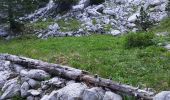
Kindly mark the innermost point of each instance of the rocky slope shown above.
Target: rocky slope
(111, 17)
(36, 80)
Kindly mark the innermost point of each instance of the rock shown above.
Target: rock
(115, 32)
(111, 96)
(75, 91)
(70, 82)
(54, 27)
(10, 89)
(45, 97)
(164, 95)
(78, 7)
(5, 65)
(56, 81)
(24, 89)
(38, 74)
(84, 2)
(3, 32)
(167, 46)
(4, 77)
(93, 12)
(109, 12)
(93, 94)
(33, 83)
(24, 73)
(30, 98)
(33, 98)
(133, 18)
(17, 68)
(34, 92)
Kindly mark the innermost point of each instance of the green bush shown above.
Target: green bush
(93, 2)
(139, 40)
(168, 8)
(64, 5)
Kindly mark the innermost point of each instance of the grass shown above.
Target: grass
(100, 54)
(69, 25)
(164, 26)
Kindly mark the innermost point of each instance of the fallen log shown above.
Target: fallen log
(78, 75)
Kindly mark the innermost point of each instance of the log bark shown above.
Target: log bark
(78, 75)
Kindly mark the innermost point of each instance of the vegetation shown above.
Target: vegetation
(168, 8)
(13, 9)
(64, 5)
(100, 54)
(143, 22)
(65, 26)
(93, 2)
(139, 39)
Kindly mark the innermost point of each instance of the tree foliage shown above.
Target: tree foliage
(13, 9)
(143, 21)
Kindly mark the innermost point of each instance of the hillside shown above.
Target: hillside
(105, 43)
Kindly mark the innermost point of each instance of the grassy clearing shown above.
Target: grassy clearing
(100, 54)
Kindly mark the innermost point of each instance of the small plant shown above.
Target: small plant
(139, 40)
(168, 8)
(143, 21)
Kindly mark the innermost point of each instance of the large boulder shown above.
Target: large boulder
(111, 96)
(133, 17)
(69, 92)
(24, 89)
(10, 89)
(4, 77)
(95, 93)
(165, 95)
(38, 74)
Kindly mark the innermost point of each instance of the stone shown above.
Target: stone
(93, 12)
(10, 89)
(4, 77)
(167, 46)
(115, 32)
(133, 18)
(78, 7)
(109, 12)
(30, 98)
(3, 32)
(75, 91)
(24, 73)
(33, 83)
(84, 2)
(54, 27)
(111, 96)
(164, 95)
(38, 74)
(34, 92)
(5, 65)
(24, 89)
(17, 68)
(56, 81)
(93, 94)
(45, 97)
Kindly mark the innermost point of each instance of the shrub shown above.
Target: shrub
(139, 40)
(168, 8)
(143, 21)
(95, 2)
(64, 5)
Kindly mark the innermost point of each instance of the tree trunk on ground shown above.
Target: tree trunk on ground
(78, 75)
